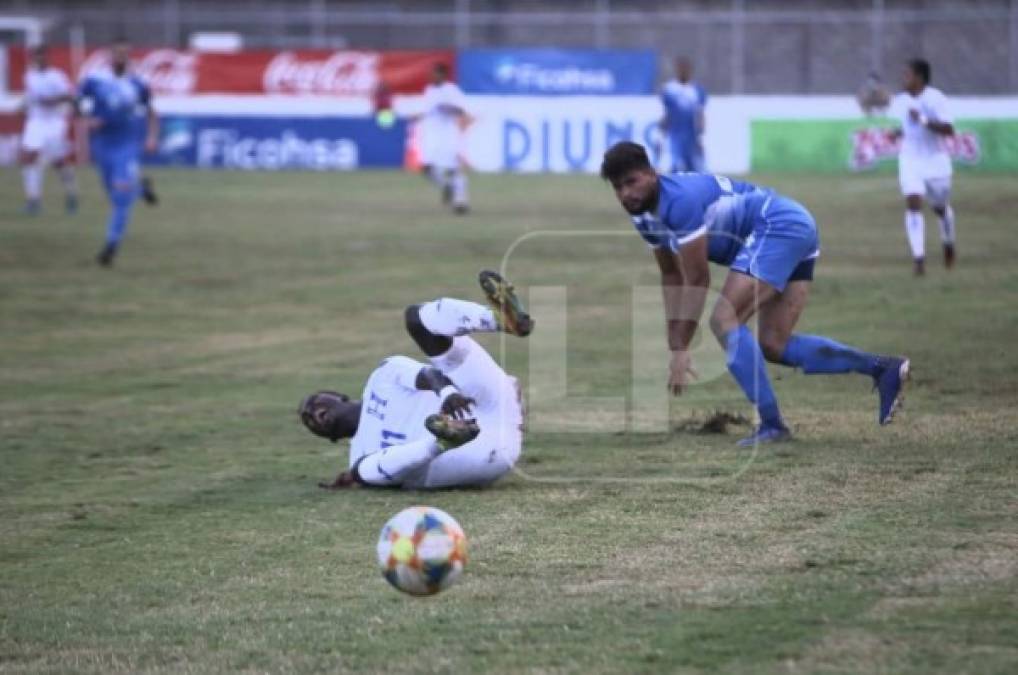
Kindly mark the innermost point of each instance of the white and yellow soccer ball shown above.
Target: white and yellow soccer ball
(422, 550)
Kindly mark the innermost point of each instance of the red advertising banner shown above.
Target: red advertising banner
(298, 72)
(10, 138)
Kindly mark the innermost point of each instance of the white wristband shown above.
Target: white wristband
(447, 391)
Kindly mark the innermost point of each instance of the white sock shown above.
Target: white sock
(67, 177)
(451, 317)
(391, 465)
(32, 175)
(947, 225)
(915, 228)
(459, 188)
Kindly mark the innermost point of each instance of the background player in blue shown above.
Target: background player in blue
(770, 244)
(113, 101)
(683, 122)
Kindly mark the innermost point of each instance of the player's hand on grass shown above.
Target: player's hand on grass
(680, 372)
(343, 480)
(457, 406)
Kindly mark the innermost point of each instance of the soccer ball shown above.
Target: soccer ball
(422, 550)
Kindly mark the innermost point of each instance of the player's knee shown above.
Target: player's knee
(430, 344)
(772, 345)
(412, 318)
(722, 321)
(122, 195)
(495, 468)
(914, 202)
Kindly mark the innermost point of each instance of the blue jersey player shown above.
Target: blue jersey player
(683, 122)
(770, 245)
(114, 101)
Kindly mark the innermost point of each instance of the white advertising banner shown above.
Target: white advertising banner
(570, 134)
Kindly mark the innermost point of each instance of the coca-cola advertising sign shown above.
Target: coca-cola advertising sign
(873, 145)
(166, 71)
(298, 72)
(337, 74)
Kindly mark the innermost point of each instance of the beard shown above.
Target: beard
(639, 207)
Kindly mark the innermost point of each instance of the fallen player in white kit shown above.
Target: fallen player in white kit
(455, 423)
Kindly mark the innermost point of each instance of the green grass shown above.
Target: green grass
(158, 508)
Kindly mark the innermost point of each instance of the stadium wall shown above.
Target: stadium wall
(549, 134)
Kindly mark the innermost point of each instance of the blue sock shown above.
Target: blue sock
(746, 364)
(119, 217)
(817, 354)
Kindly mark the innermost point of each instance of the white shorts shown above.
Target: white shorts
(499, 412)
(440, 148)
(931, 182)
(47, 137)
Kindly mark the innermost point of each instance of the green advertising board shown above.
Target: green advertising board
(864, 145)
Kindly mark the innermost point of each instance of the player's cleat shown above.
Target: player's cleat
(71, 204)
(948, 256)
(148, 191)
(106, 255)
(505, 304)
(451, 432)
(32, 207)
(766, 433)
(919, 267)
(890, 383)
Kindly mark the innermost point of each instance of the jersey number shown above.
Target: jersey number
(386, 435)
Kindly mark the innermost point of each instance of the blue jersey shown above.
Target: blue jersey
(119, 103)
(693, 204)
(683, 104)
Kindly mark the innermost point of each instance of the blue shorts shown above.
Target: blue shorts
(118, 168)
(783, 245)
(687, 153)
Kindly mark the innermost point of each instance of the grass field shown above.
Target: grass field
(158, 508)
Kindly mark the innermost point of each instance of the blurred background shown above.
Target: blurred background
(740, 46)
(811, 59)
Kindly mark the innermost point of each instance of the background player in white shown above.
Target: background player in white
(442, 124)
(457, 422)
(924, 166)
(48, 93)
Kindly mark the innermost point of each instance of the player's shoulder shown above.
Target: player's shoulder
(934, 94)
(392, 366)
(96, 78)
(451, 89)
(679, 197)
(139, 83)
(88, 82)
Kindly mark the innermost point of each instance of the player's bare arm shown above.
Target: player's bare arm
(685, 278)
(942, 128)
(454, 403)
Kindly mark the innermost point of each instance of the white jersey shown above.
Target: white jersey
(393, 410)
(440, 126)
(45, 84)
(922, 150)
